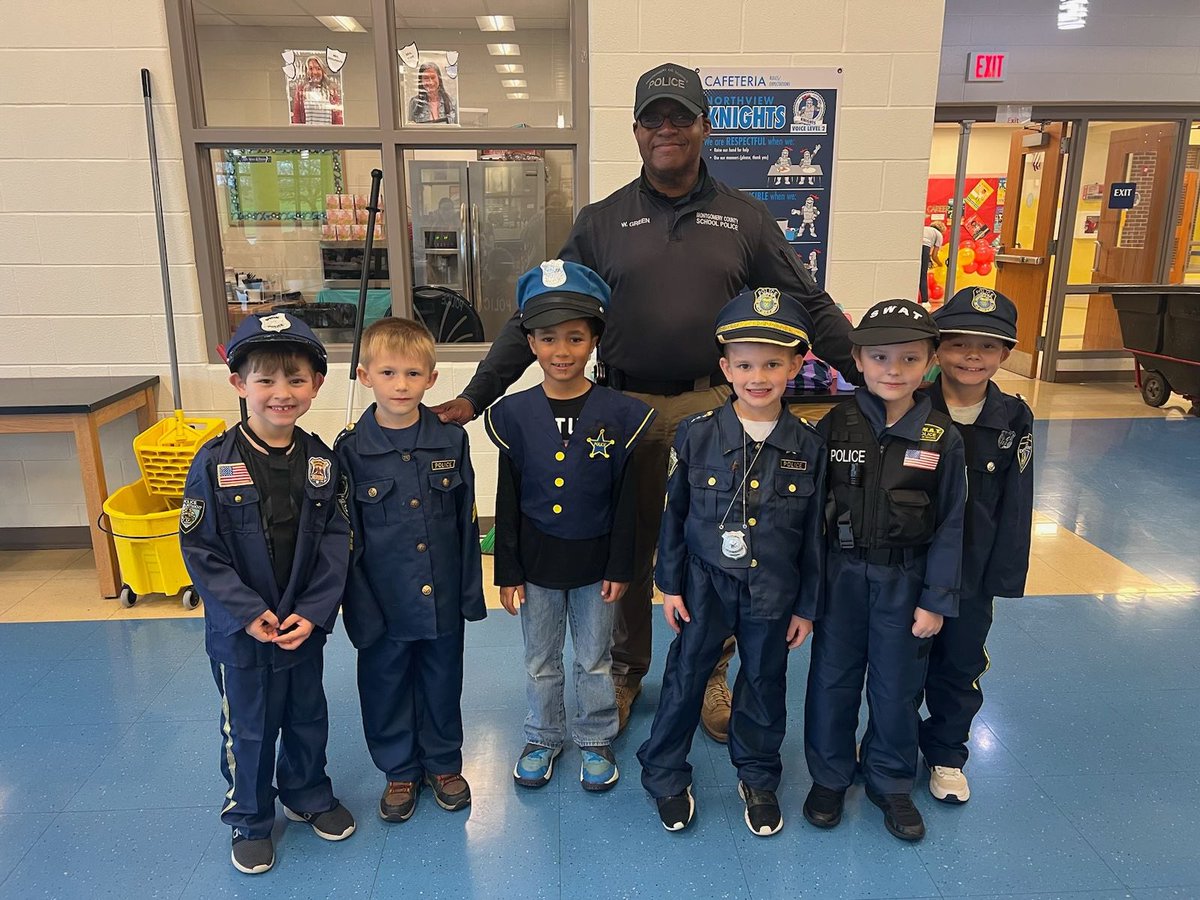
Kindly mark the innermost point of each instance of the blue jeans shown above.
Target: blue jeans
(543, 626)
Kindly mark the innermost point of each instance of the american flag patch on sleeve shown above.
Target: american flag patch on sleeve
(921, 459)
(236, 475)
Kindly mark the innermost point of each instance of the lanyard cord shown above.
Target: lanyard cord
(745, 477)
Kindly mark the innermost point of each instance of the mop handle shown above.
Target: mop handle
(162, 239)
(361, 312)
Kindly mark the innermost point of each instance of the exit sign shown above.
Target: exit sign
(986, 66)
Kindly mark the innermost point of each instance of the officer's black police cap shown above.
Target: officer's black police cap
(894, 322)
(558, 291)
(670, 81)
(765, 315)
(981, 311)
(273, 329)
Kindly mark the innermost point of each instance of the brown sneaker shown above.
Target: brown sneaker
(625, 697)
(399, 801)
(718, 703)
(450, 791)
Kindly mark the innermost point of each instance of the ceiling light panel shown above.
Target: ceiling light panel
(504, 49)
(514, 82)
(510, 69)
(495, 23)
(342, 24)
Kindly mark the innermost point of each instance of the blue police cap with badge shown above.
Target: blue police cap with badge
(981, 311)
(765, 315)
(275, 328)
(558, 291)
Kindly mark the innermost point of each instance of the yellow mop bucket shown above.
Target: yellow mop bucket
(145, 530)
(164, 451)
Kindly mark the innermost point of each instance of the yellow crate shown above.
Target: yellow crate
(145, 530)
(164, 451)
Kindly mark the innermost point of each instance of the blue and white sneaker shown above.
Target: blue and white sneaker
(598, 772)
(535, 766)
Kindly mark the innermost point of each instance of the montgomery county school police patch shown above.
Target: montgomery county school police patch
(190, 514)
(554, 274)
(600, 445)
(932, 433)
(318, 471)
(277, 322)
(766, 301)
(1006, 439)
(442, 465)
(1025, 451)
(798, 465)
(983, 300)
(672, 463)
(343, 496)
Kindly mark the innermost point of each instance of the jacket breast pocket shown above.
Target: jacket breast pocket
(444, 491)
(909, 518)
(238, 511)
(986, 478)
(377, 501)
(792, 493)
(318, 501)
(709, 487)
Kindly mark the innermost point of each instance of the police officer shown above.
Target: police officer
(894, 521)
(674, 245)
(266, 542)
(979, 328)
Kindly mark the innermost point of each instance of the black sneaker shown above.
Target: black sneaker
(823, 806)
(399, 801)
(450, 791)
(335, 825)
(900, 816)
(763, 817)
(676, 811)
(253, 856)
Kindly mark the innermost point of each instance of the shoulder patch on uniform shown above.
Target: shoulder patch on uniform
(1025, 451)
(798, 465)
(318, 471)
(672, 463)
(190, 514)
(442, 465)
(932, 432)
(1005, 440)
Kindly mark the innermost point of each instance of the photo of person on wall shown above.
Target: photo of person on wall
(315, 93)
(432, 94)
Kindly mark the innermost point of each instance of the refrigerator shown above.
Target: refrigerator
(477, 226)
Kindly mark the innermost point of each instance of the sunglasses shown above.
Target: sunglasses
(653, 120)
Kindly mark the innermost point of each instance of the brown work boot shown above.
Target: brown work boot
(626, 694)
(450, 791)
(399, 801)
(718, 703)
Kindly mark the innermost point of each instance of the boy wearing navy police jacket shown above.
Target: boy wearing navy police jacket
(740, 553)
(266, 542)
(565, 518)
(979, 330)
(415, 576)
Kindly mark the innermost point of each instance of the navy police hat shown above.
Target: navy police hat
(670, 81)
(979, 310)
(765, 315)
(558, 291)
(275, 328)
(894, 322)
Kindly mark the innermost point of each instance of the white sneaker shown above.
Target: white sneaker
(949, 785)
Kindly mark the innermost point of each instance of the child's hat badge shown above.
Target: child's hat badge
(984, 300)
(554, 273)
(766, 301)
(276, 322)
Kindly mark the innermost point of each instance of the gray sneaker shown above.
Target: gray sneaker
(335, 825)
(253, 856)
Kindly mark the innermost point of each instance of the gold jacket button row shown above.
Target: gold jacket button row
(406, 456)
(712, 480)
(421, 548)
(754, 483)
(752, 522)
(560, 456)
(557, 509)
(991, 467)
(754, 563)
(558, 482)
(237, 498)
(426, 589)
(445, 482)
(414, 502)
(791, 489)
(372, 492)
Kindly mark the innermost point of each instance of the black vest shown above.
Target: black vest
(876, 501)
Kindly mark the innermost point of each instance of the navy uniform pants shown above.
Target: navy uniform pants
(866, 630)
(952, 694)
(259, 706)
(718, 605)
(411, 694)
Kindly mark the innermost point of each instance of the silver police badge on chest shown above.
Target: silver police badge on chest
(733, 544)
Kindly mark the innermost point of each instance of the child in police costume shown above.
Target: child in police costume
(565, 520)
(979, 330)
(266, 542)
(415, 575)
(740, 553)
(897, 491)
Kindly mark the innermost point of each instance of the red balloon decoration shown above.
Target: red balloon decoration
(983, 268)
(969, 268)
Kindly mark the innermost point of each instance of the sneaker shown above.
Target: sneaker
(335, 825)
(598, 771)
(399, 801)
(823, 806)
(900, 816)
(676, 812)
(253, 856)
(535, 766)
(763, 816)
(949, 784)
(450, 791)
(625, 696)
(718, 704)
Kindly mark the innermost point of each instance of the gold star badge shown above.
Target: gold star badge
(600, 445)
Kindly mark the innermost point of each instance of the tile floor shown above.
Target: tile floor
(1083, 770)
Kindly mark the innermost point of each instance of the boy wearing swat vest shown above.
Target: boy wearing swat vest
(894, 527)
(979, 329)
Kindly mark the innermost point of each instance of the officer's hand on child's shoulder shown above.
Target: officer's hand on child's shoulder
(293, 631)
(674, 611)
(460, 411)
(264, 627)
(798, 631)
(612, 591)
(512, 597)
(926, 624)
